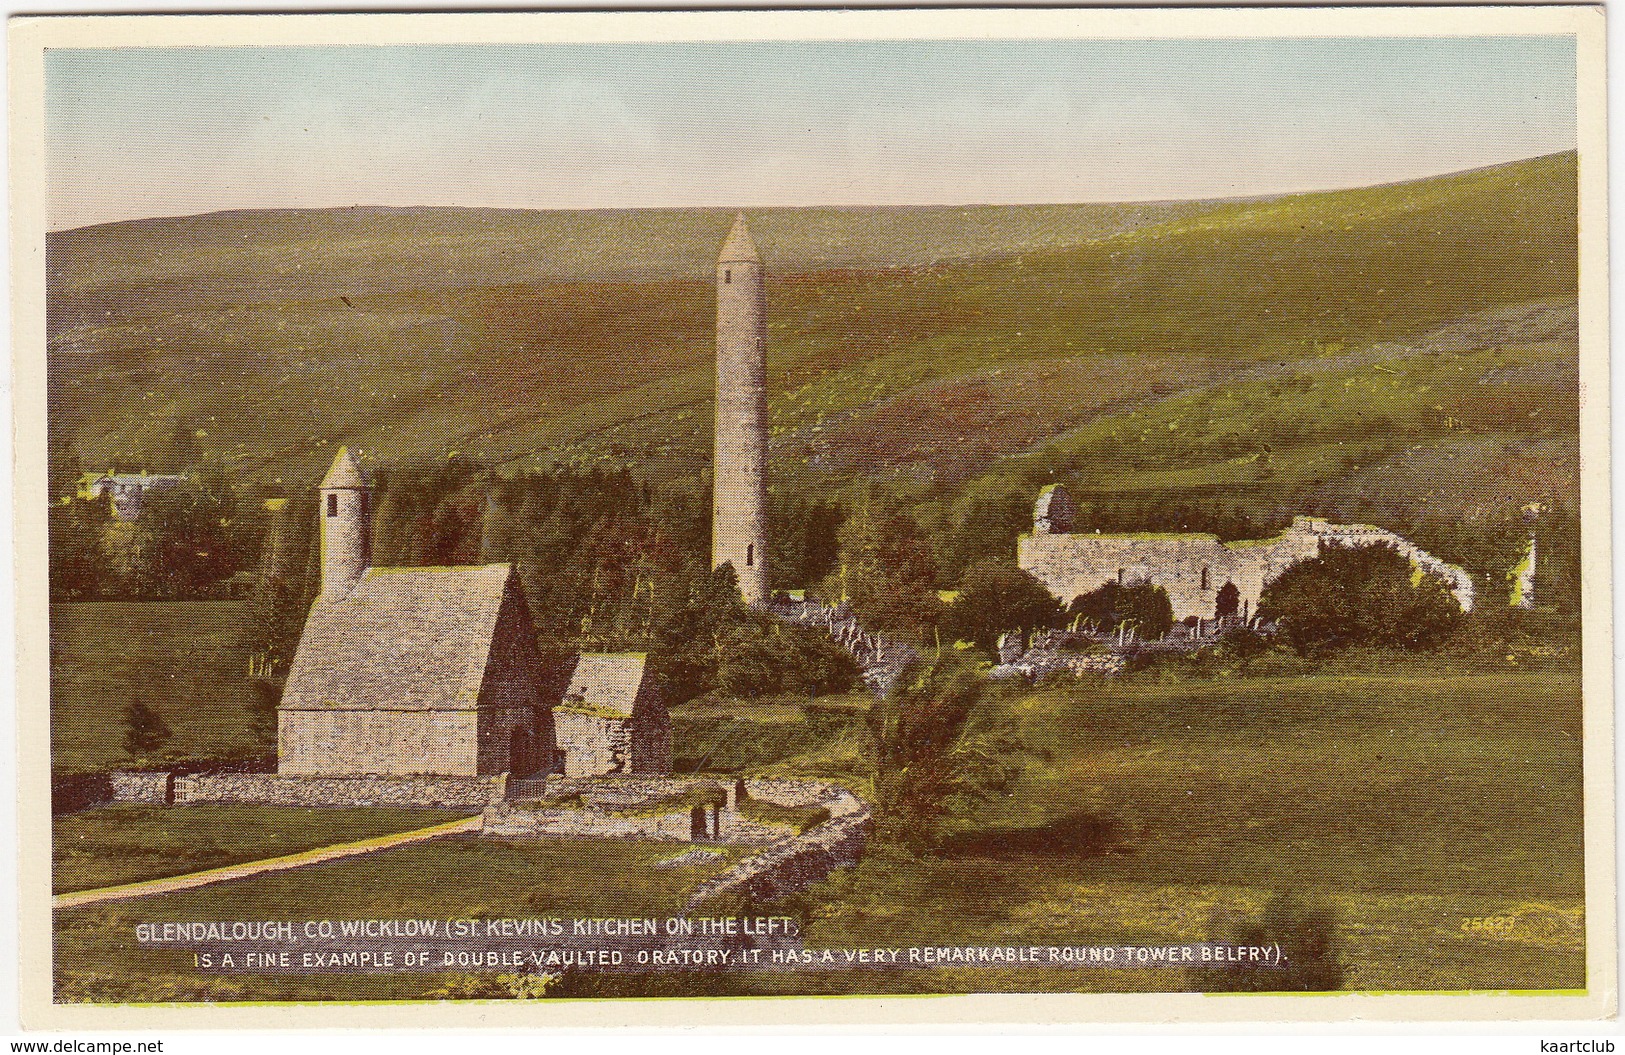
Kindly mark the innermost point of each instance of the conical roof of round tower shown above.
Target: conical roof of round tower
(739, 249)
(345, 473)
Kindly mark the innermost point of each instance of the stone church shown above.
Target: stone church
(1204, 578)
(410, 670)
(434, 672)
(612, 719)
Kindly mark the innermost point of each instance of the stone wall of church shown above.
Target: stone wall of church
(593, 744)
(381, 742)
(651, 744)
(1194, 568)
(517, 733)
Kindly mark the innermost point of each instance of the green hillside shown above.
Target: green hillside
(1290, 345)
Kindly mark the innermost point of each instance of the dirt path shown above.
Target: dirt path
(270, 864)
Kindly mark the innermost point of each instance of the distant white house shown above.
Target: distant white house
(127, 489)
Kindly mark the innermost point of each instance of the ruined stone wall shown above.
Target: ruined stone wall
(630, 807)
(277, 790)
(384, 742)
(1194, 568)
(1073, 565)
(795, 863)
(1459, 580)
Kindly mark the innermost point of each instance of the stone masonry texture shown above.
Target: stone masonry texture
(738, 524)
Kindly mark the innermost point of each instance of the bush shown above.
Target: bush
(996, 598)
(936, 753)
(1361, 595)
(714, 643)
(1143, 608)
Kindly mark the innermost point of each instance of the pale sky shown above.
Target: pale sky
(173, 131)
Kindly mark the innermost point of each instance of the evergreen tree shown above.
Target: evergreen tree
(887, 575)
(144, 730)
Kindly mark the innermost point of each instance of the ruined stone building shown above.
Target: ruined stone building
(739, 499)
(1204, 578)
(612, 718)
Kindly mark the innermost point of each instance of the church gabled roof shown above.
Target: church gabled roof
(415, 639)
(345, 472)
(739, 249)
(606, 681)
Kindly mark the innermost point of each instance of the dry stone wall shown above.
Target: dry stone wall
(794, 863)
(272, 789)
(129, 785)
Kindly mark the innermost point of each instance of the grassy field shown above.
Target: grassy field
(128, 843)
(184, 659)
(458, 877)
(754, 736)
(1401, 807)
(1404, 806)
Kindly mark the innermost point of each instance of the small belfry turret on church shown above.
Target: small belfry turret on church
(739, 498)
(346, 525)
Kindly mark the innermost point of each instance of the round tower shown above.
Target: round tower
(346, 525)
(739, 497)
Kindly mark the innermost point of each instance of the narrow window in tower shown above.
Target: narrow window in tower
(332, 505)
(727, 276)
(750, 555)
(1204, 578)
(1119, 576)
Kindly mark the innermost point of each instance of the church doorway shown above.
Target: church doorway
(1229, 601)
(521, 753)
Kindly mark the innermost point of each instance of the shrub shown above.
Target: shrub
(996, 598)
(145, 731)
(1360, 595)
(1143, 608)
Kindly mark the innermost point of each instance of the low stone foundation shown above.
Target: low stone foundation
(630, 808)
(790, 861)
(1038, 662)
(792, 865)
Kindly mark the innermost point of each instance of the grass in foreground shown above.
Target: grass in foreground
(1407, 807)
(1404, 806)
(127, 843)
(457, 877)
